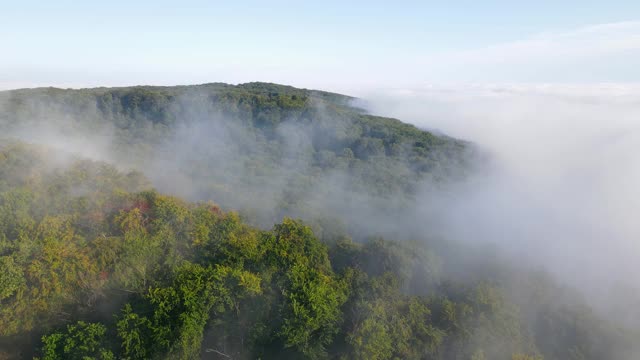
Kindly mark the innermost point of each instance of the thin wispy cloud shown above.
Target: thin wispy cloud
(595, 53)
(592, 40)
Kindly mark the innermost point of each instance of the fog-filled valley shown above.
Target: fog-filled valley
(264, 221)
(561, 191)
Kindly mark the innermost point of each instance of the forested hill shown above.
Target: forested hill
(95, 265)
(255, 221)
(261, 106)
(266, 149)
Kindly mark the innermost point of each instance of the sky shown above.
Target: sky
(333, 45)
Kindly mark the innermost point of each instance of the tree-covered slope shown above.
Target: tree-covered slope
(269, 149)
(255, 221)
(92, 268)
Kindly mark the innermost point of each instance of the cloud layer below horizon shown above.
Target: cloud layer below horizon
(563, 190)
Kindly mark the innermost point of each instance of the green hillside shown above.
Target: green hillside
(269, 149)
(255, 221)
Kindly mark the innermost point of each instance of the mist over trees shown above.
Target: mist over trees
(253, 147)
(289, 231)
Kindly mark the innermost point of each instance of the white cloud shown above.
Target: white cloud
(588, 41)
(604, 52)
(564, 191)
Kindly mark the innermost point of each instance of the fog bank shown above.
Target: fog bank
(561, 191)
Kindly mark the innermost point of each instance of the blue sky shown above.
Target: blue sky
(328, 44)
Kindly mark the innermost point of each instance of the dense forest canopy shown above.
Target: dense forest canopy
(286, 234)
